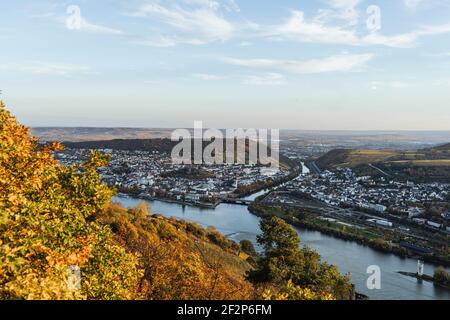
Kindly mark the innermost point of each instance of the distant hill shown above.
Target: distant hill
(92, 134)
(444, 147)
(422, 165)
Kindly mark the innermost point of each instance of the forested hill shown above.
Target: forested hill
(422, 165)
(151, 145)
(160, 145)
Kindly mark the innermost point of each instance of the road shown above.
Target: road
(314, 168)
(379, 170)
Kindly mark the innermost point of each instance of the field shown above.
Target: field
(339, 226)
(352, 158)
(357, 157)
(424, 163)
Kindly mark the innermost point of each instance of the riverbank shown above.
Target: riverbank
(377, 244)
(202, 205)
(424, 277)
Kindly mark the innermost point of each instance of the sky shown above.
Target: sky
(288, 64)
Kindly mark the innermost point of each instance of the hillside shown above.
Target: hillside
(352, 158)
(444, 147)
(181, 260)
(422, 165)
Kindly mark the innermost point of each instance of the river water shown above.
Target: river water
(238, 223)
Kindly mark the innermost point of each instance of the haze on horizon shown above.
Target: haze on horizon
(290, 64)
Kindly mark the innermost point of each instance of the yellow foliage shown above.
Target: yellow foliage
(178, 265)
(293, 292)
(45, 225)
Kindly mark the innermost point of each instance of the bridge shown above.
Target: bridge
(241, 202)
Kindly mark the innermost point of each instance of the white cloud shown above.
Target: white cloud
(228, 5)
(319, 30)
(199, 22)
(208, 77)
(396, 41)
(375, 85)
(438, 55)
(298, 29)
(337, 63)
(74, 21)
(434, 30)
(196, 22)
(158, 41)
(87, 26)
(412, 4)
(406, 39)
(231, 5)
(266, 79)
(341, 10)
(41, 68)
(245, 44)
(269, 79)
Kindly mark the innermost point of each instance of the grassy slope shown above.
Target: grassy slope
(431, 164)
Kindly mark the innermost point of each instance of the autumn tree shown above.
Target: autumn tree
(442, 276)
(295, 292)
(47, 225)
(286, 265)
(248, 248)
(282, 260)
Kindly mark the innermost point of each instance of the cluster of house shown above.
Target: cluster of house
(153, 174)
(344, 187)
(433, 224)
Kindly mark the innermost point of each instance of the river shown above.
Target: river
(238, 223)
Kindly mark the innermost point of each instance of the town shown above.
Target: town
(149, 175)
(345, 189)
(404, 218)
(153, 175)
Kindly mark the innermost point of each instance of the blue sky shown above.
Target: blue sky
(299, 64)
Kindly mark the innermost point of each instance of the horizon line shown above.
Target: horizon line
(206, 128)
